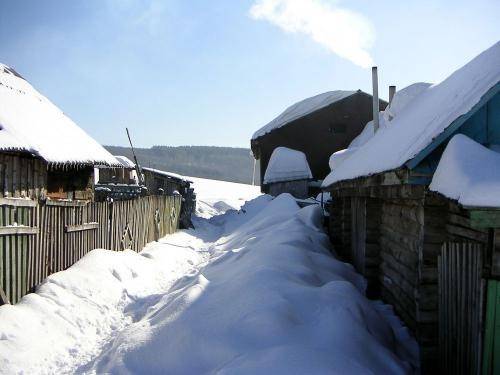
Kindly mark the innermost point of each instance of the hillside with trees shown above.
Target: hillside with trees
(219, 163)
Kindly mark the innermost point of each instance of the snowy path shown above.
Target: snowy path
(246, 292)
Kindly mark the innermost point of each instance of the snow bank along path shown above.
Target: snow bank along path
(248, 291)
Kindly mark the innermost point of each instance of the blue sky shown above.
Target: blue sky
(202, 72)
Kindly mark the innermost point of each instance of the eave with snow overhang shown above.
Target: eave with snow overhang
(467, 102)
(31, 123)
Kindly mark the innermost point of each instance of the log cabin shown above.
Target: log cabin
(401, 219)
(43, 153)
(316, 126)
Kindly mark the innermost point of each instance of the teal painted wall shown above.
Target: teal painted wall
(483, 127)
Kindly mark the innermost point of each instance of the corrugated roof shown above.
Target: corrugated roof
(124, 161)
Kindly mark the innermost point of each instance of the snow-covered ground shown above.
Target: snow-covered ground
(248, 291)
(214, 197)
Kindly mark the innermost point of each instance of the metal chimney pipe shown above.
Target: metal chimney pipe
(375, 99)
(392, 92)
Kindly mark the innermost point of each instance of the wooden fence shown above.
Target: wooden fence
(39, 239)
(461, 301)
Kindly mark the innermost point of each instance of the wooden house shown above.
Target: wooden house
(43, 154)
(288, 172)
(316, 126)
(424, 251)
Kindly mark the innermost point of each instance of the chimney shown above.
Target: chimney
(392, 91)
(375, 99)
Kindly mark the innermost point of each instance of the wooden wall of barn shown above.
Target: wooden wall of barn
(298, 188)
(407, 228)
(155, 181)
(401, 232)
(70, 182)
(22, 176)
(340, 227)
(372, 246)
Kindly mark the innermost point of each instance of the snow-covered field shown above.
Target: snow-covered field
(216, 197)
(248, 292)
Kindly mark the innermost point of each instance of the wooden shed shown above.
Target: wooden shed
(160, 182)
(43, 154)
(118, 182)
(417, 246)
(316, 126)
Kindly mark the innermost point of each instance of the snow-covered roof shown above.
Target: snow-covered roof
(303, 108)
(124, 161)
(468, 172)
(29, 122)
(167, 174)
(286, 164)
(429, 114)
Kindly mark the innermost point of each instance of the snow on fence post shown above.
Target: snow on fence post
(375, 98)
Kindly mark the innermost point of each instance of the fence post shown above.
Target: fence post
(3, 298)
(110, 225)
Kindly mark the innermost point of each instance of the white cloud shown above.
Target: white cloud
(343, 32)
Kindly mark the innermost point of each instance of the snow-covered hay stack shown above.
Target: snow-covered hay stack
(288, 172)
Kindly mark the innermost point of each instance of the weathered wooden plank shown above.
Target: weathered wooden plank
(483, 219)
(20, 229)
(19, 202)
(63, 203)
(467, 233)
(81, 227)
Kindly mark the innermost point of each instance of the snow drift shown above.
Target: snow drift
(271, 300)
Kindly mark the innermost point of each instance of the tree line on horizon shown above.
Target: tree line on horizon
(231, 164)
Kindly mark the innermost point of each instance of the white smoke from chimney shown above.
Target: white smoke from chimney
(344, 32)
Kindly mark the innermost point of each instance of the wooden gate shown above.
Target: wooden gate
(460, 307)
(491, 357)
(18, 232)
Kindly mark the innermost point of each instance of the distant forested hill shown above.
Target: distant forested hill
(219, 163)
